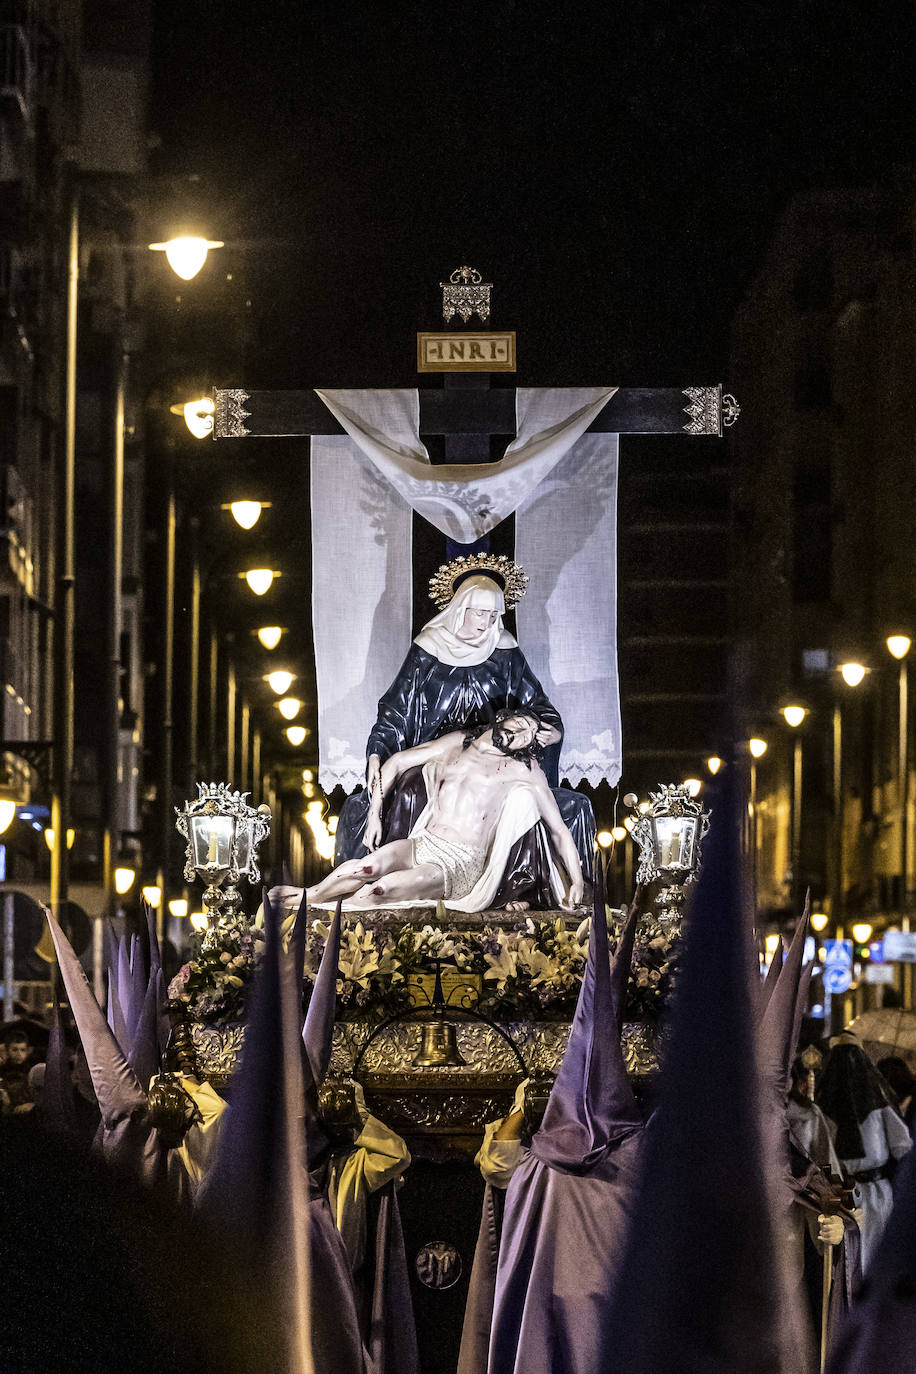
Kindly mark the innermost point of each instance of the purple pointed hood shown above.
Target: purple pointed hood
(318, 1031)
(56, 1110)
(127, 1137)
(704, 1240)
(115, 1011)
(257, 1192)
(780, 1021)
(591, 1105)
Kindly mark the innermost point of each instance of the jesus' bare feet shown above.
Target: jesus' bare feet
(517, 906)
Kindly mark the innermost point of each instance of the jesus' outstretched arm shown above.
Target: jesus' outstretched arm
(391, 770)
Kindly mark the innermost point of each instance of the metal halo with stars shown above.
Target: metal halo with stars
(512, 576)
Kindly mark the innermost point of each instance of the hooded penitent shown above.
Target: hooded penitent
(126, 1137)
(257, 1195)
(880, 1332)
(701, 1287)
(386, 1313)
(568, 1203)
(869, 1133)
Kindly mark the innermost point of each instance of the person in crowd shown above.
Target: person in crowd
(898, 1074)
(869, 1134)
(14, 1080)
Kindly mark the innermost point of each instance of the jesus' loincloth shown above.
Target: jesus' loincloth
(460, 864)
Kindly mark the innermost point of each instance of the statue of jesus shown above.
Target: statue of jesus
(484, 789)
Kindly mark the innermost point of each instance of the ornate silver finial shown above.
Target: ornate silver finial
(730, 410)
(464, 293)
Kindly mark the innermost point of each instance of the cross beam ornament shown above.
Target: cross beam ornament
(239, 414)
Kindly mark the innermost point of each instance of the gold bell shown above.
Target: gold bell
(438, 1046)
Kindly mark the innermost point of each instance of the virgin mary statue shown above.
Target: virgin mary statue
(461, 669)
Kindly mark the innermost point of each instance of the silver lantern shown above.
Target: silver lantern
(670, 833)
(223, 834)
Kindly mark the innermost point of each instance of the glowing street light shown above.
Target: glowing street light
(714, 763)
(178, 906)
(794, 715)
(852, 673)
(289, 707)
(296, 735)
(7, 812)
(757, 747)
(279, 681)
(693, 785)
(49, 837)
(187, 254)
(198, 415)
(819, 920)
(124, 880)
(605, 839)
(898, 646)
(619, 833)
(861, 932)
(270, 636)
(246, 513)
(199, 920)
(152, 895)
(260, 580)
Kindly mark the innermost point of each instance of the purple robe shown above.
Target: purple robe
(569, 1201)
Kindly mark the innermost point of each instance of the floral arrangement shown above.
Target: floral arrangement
(213, 984)
(531, 970)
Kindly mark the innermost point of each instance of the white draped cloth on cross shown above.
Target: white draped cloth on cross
(559, 481)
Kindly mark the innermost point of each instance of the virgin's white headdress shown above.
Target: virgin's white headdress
(439, 636)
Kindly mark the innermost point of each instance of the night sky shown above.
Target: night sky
(614, 170)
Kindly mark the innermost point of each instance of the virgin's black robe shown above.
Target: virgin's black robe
(429, 699)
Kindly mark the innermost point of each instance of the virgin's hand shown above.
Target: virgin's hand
(547, 735)
(373, 773)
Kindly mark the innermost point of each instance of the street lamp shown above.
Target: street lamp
(819, 920)
(124, 880)
(186, 254)
(794, 716)
(198, 415)
(270, 636)
(289, 707)
(296, 735)
(260, 580)
(898, 646)
(279, 681)
(714, 763)
(853, 674)
(246, 513)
